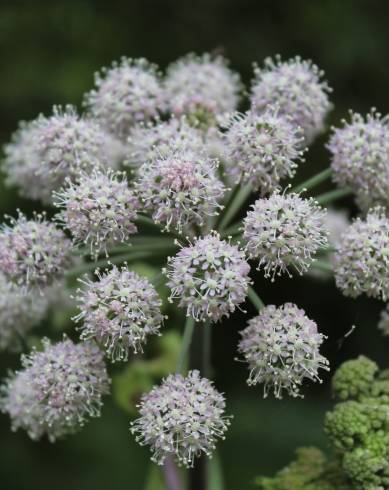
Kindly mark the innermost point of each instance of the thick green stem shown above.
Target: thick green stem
(237, 200)
(323, 266)
(117, 259)
(255, 299)
(207, 340)
(313, 181)
(186, 341)
(330, 196)
(233, 230)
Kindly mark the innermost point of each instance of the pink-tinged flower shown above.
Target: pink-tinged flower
(362, 257)
(126, 94)
(281, 347)
(209, 278)
(99, 209)
(33, 253)
(360, 158)
(183, 417)
(284, 232)
(120, 310)
(297, 88)
(262, 149)
(57, 390)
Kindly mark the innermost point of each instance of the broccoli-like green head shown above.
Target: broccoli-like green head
(350, 423)
(367, 466)
(310, 471)
(354, 379)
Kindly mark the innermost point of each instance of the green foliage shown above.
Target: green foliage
(310, 471)
(358, 429)
(140, 375)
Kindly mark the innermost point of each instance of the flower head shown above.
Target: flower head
(284, 231)
(120, 310)
(45, 151)
(182, 417)
(57, 389)
(295, 86)
(262, 149)
(33, 252)
(99, 209)
(126, 94)
(19, 312)
(180, 189)
(362, 257)
(148, 142)
(202, 87)
(360, 158)
(281, 346)
(209, 277)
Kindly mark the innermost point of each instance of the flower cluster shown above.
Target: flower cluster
(209, 277)
(297, 88)
(360, 158)
(148, 142)
(120, 311)
(362, 257)
(47, 150)
(98, 210)
(262, 149)
(281, 346)
(19, 312)
(57, 389)
(33, 252)
(126, 94)
(180, 188)
(202, 87)
(284, 231)
(182, 417)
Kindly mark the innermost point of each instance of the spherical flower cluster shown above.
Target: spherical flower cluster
(360, 158)
(126, 94)
(284, 231)
(281, 346)
(98, 210)
(47, 150)
(383, 324)
(183, 417)
(202, 87)
(296, 87)
(33, 252)
(149, 142)
(262, 149)
(180, 189)
(57, 389)
(21, 164)
(19, 312)
(209, 277)
(362, 257)
(120, 310)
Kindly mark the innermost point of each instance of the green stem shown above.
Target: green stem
(237, 200)
(207, 340)
(330, 196)
(186, 341)
(233, 230)
(255, 299)
(117, 259)
(313, 181)
(323, 265)
(152, 243)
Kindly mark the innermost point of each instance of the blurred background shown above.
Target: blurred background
(49, 52)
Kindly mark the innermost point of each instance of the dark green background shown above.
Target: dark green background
(49, 51)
